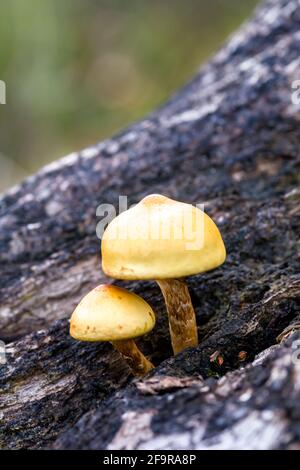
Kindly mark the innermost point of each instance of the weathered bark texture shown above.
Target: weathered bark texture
(253, 408)
(231, 139)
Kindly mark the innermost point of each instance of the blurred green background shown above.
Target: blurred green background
(77, 71)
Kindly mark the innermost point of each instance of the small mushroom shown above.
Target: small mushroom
(110, 313)
(165, 240)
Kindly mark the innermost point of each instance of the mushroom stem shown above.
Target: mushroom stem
(136, 360)
(182, 319)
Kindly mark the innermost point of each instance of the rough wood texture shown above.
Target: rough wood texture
(253, 408)
(230, 139)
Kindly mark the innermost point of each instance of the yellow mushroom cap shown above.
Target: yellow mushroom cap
(160, 238)
(110, 313)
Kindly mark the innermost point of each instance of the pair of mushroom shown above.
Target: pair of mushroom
(159, 239)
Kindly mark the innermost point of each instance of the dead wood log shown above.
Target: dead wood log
(231, 139)
(252, 408)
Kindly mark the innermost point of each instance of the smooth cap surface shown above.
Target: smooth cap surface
(110, 313)
(160, 238)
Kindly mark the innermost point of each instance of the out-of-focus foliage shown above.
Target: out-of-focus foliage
(78, 70)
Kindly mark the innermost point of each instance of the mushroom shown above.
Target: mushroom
(110, 313)
(164, 240)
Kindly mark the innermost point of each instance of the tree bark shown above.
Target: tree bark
(230, 139)
(256, 407)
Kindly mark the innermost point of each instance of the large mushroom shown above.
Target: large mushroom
(110, 313)
(164, 240)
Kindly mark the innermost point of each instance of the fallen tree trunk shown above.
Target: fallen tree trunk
(253, 408)
(230, 139)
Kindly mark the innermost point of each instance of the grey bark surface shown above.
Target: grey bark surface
(256, 407)
(230, 139)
